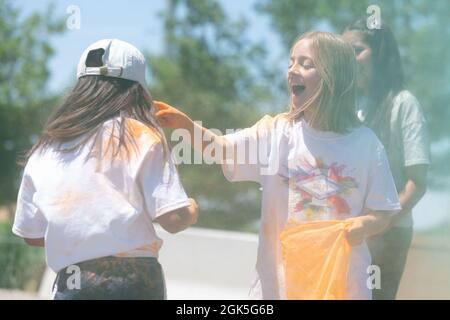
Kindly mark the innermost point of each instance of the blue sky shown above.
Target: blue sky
(139, 22)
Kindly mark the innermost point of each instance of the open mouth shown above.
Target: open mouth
(297, 89)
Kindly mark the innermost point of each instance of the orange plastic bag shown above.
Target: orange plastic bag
(316, 260)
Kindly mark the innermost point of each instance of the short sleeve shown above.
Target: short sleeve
(251, 147)
(414, 133)
(29, 221)
(160, 184)
(381, 191)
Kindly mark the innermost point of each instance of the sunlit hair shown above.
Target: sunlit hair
(333, 105)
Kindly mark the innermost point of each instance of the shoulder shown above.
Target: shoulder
(149, 149)
(37, 158)
(265, 122)
(31, 163)
(138, 130)
(140, 134)
(135, 128)
(406, 107)
(367, 137)
(264, 128)
(149, 141)
(141, 143)
(405, 97)
(270, 123)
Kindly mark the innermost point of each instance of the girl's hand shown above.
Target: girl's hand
(170, 117)
(366, 226)
(193, 211)
(356, 233)
(179, 219)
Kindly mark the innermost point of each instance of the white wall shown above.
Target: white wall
(208, 264)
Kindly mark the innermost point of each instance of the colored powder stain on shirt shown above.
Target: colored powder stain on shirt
(145, 250)
(111, 148)
(68, 202)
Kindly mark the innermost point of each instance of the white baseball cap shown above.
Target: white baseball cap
(120, 60)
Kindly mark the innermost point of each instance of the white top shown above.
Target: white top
(88, 206)
(307, 175)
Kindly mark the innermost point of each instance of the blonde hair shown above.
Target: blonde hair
(335, 97)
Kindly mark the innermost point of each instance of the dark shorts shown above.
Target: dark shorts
(389, 251)
(111, 278)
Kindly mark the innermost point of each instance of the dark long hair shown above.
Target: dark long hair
(94, 100)
(387, 75)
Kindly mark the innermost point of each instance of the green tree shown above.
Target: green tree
(206, 70)
(422, 29)
(24, 53)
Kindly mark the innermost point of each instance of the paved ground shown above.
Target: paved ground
(16, 295)
(427, 272)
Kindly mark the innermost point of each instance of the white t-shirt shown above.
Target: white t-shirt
(88, 206)
(307, 174)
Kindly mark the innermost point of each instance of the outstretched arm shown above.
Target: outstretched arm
(170, 117)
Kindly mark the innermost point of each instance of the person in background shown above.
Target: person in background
(396, 116)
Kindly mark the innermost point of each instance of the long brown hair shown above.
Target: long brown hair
(93, 101)
(387, 78)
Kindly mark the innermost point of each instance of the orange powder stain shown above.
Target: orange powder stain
(267, 122)
(68, 202)
(154, 248)
(121, 255)
(140, 130)
(137, 134)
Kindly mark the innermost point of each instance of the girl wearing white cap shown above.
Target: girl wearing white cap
(97, 178)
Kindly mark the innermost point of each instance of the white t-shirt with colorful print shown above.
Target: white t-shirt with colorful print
(309, 175)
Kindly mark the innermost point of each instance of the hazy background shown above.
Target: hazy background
(222, 62)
